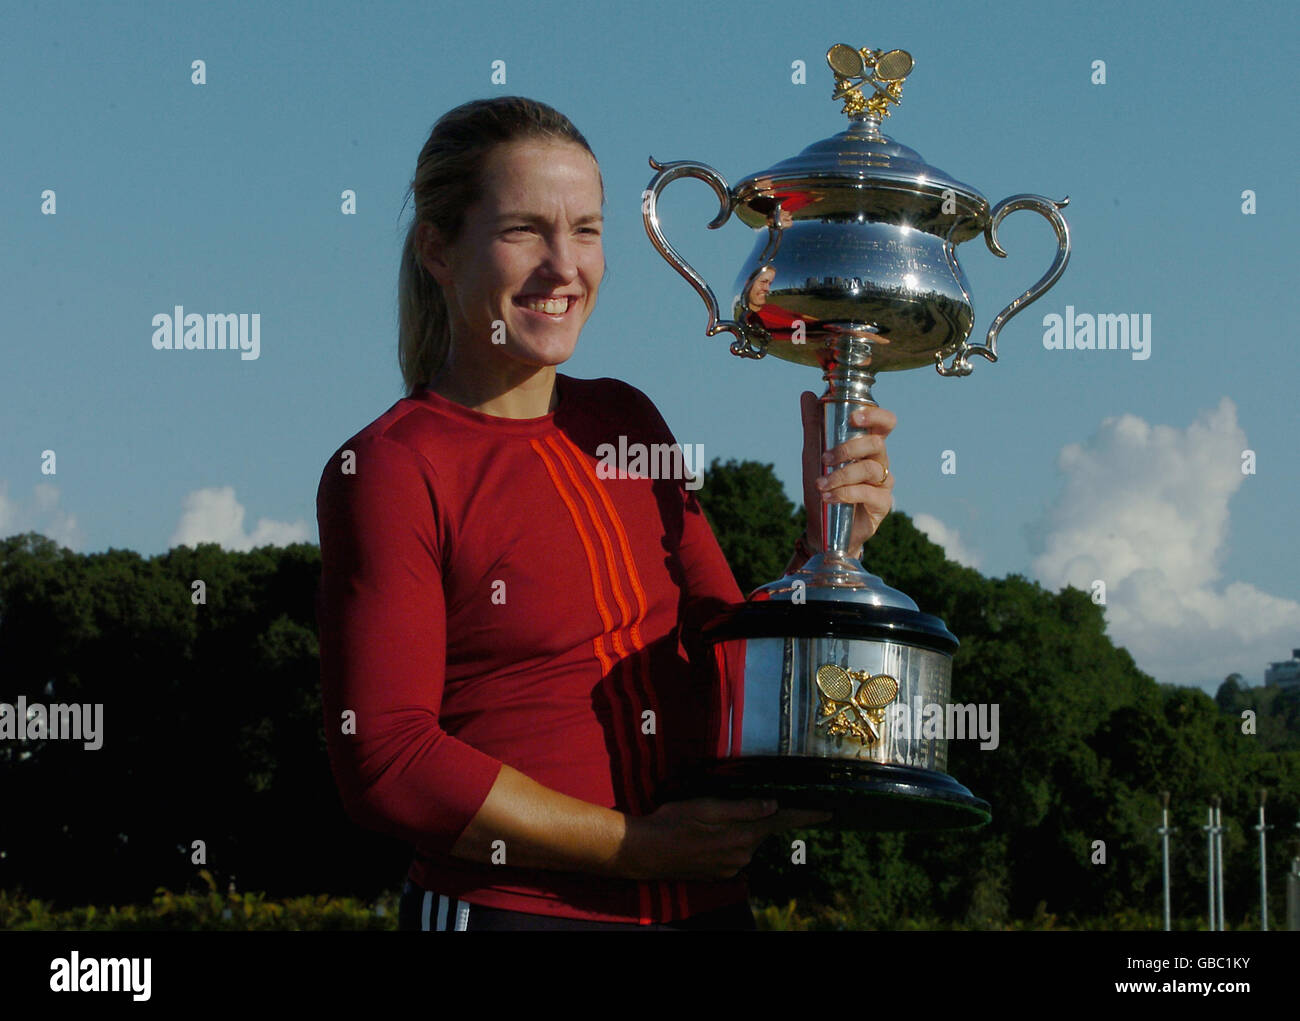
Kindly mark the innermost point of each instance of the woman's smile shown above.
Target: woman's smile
(554, 307)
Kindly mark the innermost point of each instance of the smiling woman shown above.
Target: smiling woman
(509, 637)
(472, 208)
(520, 278)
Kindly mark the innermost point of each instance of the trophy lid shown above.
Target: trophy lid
(860, 172)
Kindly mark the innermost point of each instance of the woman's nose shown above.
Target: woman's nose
(560, 258)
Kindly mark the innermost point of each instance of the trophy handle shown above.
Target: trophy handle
(1050, 211)
(744, 344)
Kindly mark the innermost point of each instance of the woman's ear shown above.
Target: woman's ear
(433, 253)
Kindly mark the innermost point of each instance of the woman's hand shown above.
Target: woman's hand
(540, 828)
(704, 838)
(865, 482)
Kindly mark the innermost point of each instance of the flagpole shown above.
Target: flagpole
(1263, 864)
(1164, 832)
(1218, 857)
(1209, 870)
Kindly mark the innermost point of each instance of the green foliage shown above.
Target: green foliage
(791, 916)
(211, 726)
(1276, 709)
(210, 911)
(206, 911)
(755, 523)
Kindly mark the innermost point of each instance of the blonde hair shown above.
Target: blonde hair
(448, 179)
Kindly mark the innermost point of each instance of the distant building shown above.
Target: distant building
(1285, 674)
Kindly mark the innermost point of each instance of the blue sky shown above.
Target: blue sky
(1071, 465)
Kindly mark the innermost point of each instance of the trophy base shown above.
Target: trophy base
(867, 796)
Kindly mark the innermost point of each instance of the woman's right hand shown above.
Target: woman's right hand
(703, 838)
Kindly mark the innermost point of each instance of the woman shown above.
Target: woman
(507, 638)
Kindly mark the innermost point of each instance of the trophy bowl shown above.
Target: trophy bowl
(821, 678)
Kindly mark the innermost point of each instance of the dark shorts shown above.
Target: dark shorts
(424, 910)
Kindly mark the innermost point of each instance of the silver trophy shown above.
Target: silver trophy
(828, 681)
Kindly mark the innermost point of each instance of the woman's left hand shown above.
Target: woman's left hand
(866, 481)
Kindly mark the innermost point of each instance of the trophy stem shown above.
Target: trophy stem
(846, 357)
(836, 574)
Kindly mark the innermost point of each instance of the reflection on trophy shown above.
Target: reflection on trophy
(821, 675)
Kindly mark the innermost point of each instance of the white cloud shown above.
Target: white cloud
(949, 538)
(1145, 509)
(42, 514)
(214, 515)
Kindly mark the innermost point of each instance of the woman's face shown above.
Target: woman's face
(762, 287)
(521, 279)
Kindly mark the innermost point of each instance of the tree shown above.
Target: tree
(1229, 691)
(754, 521)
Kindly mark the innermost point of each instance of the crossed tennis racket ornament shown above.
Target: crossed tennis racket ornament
(859, 714)
(882, 71)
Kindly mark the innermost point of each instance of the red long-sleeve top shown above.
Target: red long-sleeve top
(487, 597)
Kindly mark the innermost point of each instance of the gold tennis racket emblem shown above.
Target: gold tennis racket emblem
(882, 71)
(854, 714)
